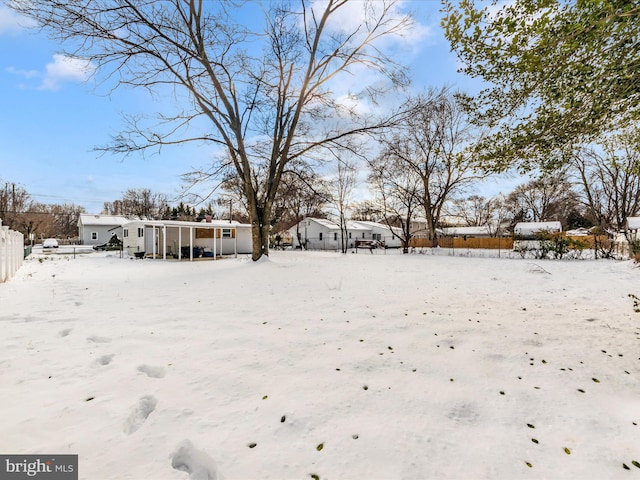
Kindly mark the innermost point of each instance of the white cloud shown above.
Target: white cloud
(12, 23)
(64, 69)
(22, 73)
(400, 46)
(354, 14)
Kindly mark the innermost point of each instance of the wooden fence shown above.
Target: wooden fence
(494, 243)
(11, 252)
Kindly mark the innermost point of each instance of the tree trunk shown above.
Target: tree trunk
(260, 224)
(433, 234)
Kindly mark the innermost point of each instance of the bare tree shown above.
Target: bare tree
(432, 143)
(302, 194)
(367, 211)
(399, 192)
(65, 219)
(140, 202)
(548, 197)
(477, 210)
(609, 177)
(341, 190)
(14, 202)
(266, 97)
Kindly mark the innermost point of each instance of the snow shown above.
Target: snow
(383, 366)
(531, 228)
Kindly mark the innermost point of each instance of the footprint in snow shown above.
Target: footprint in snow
(65, 332)
(153, 372)
(139, 414)
(196, 463)
(97, 339)
(105, 359)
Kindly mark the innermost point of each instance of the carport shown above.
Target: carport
(180, 240)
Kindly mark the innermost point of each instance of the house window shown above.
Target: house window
(226, 233)
(140, 232)
(125, 232)
(362, 234)
(94, 235)
(320, 236)
(349, 234)
(377, 236)
(335, 236)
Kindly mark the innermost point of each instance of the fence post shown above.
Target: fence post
(3, 253)
(11, 252)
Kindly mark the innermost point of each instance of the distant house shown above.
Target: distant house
(526, 234)
(382, 233)
(419, 227)
(528, 230)
(633, 227)
(98, 229)
(322, 234)
(186, 240)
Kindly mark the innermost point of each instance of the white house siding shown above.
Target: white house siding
(103, 226)
(322, 234)
(633, 226)
(382, 233)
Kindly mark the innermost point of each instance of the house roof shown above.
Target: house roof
(329, 225)
(633, 223)
(361, 226)
(528, 228)
(179, 223)
(325, 223)
(479, 230)
(382, 226)
(102, 220)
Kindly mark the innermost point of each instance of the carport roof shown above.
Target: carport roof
(179, 223)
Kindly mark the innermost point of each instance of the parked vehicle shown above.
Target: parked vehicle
(114, 243)
(50, 243)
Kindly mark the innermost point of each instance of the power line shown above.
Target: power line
(65, 198)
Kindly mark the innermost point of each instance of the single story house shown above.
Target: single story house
(419, 227)
(322, 234)
(382, 233)
(525, 234)
(182, 240)
(633, 227)
(98, 229)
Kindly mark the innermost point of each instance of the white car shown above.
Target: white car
(50, 243)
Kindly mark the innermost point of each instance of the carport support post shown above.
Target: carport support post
(235, 243)
(164, 242)
(191, 244)
(179, 243)
(153, 241)
(214, 243)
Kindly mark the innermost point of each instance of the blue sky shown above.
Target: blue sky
(53, 117)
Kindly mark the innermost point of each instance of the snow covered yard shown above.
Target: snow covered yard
(317, 365)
